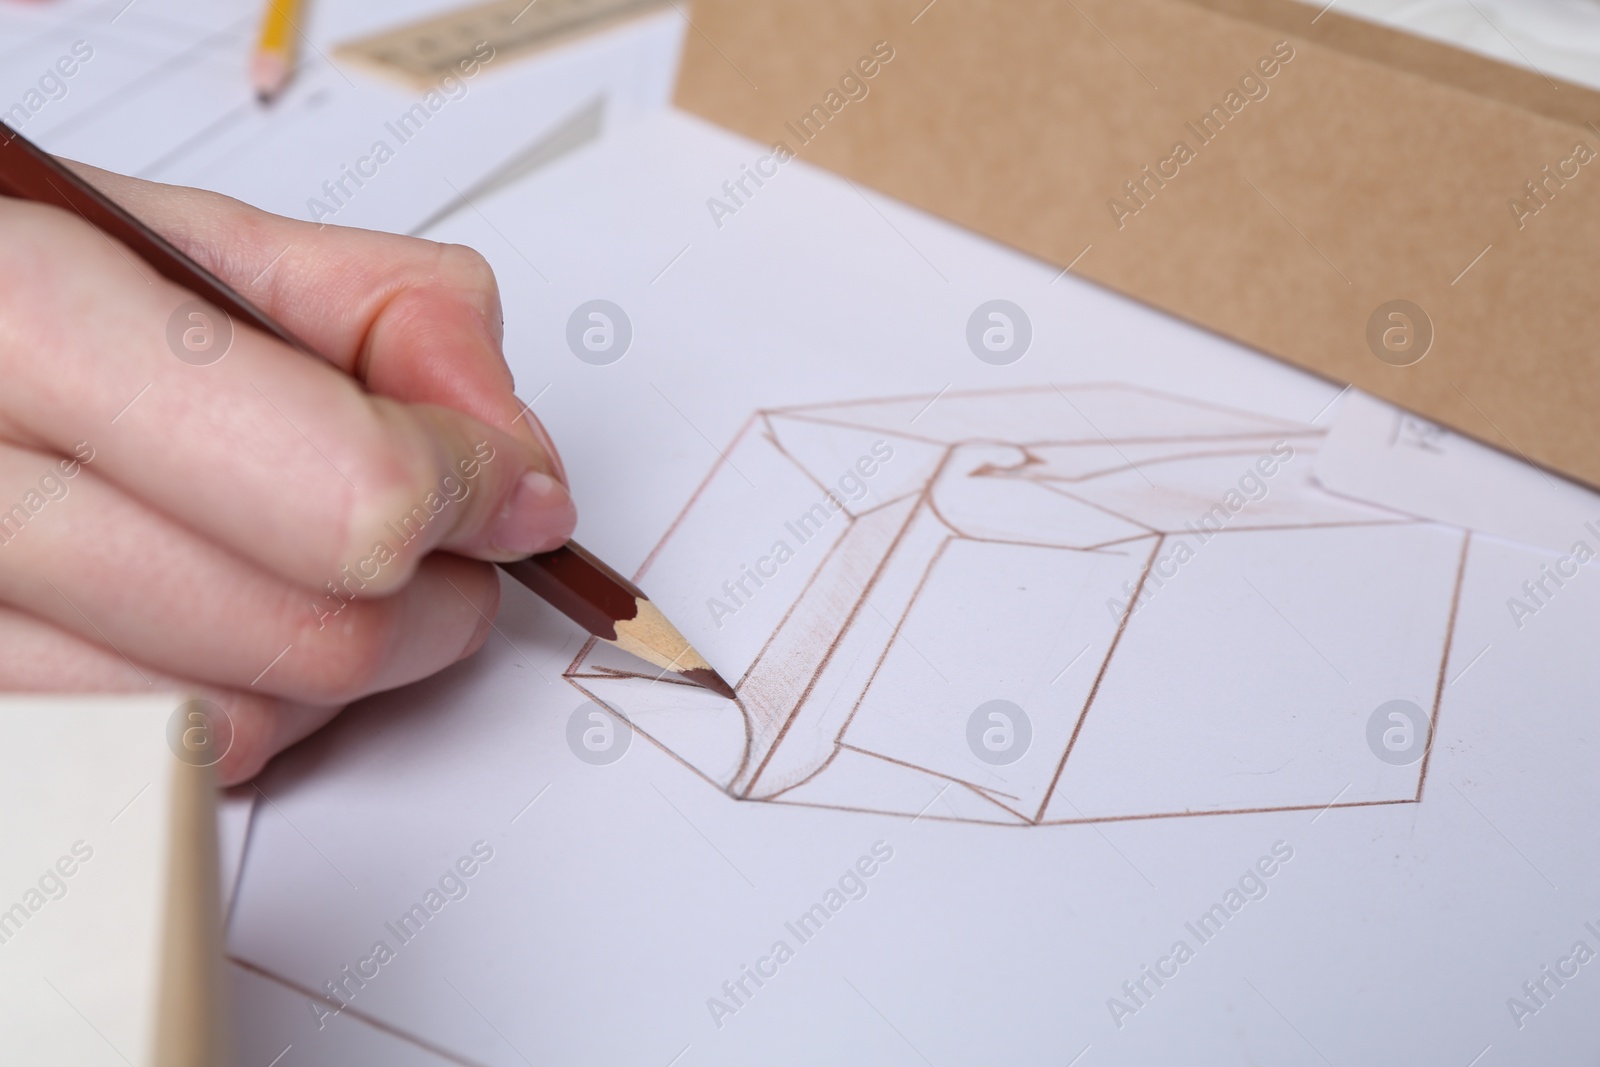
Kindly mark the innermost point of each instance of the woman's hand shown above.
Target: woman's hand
(280, 534)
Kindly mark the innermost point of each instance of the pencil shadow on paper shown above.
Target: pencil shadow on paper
(1181, 622)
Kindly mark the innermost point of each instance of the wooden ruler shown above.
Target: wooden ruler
(423, 52)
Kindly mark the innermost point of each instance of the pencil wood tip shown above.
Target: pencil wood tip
(707, 678)
(269, 74)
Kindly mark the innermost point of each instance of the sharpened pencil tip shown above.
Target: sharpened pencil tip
(707, 678)
(269, 73)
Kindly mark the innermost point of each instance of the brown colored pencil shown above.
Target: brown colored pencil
(577, 584)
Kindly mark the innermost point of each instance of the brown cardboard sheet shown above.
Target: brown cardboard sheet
(1328, 167)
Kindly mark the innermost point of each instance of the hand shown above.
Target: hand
(261, 531)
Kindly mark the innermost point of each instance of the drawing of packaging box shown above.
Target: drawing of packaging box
(1038, 606)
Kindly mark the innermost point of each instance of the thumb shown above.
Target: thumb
(471, 489)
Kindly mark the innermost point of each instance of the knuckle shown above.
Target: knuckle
(387, 518)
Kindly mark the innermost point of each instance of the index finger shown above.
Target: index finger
(413, 319)
(282, 458)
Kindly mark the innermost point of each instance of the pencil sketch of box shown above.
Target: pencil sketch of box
(1187, 624)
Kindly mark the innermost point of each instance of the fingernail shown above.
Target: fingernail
(539, 516)
(549, 447)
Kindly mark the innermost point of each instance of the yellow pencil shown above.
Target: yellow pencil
(273, 61)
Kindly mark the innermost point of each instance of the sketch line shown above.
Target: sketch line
(1094, 689)
(930, 403)
(1332, 802)
(703, 437)
(487, 1020)
(338, 1008)
(1102, 435)
(896, 630)
(1095, 827)
(931, 803)
(1444, 663)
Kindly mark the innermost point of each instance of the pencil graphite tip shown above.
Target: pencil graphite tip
(269, 73)
(707, 678)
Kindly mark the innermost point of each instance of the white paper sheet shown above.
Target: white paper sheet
(1382, 454)
(273, 1012)
(234, 808)
(1556, 38)
(164, 95)
(1394, 905)
(621, 897)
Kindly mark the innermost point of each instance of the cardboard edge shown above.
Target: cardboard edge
(1436, 61)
